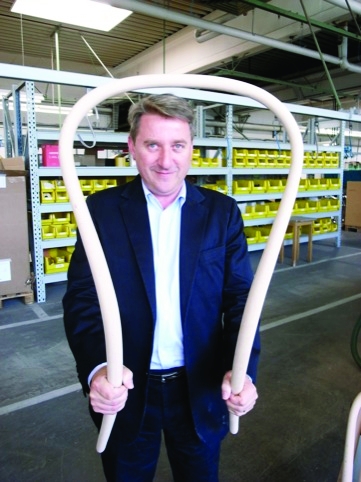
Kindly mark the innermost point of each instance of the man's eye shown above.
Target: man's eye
(178, 147)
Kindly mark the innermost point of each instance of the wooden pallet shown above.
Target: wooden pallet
(28, 298)
(355, 229)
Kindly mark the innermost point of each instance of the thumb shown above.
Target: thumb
(128, 378)
(226, 386)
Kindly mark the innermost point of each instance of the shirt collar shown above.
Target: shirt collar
(180, 198)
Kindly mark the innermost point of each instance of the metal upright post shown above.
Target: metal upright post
(8, 132)
(229, 150)
(17, 121)
(37, 251)
(342, 166)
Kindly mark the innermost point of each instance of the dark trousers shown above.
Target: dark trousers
(167, 410)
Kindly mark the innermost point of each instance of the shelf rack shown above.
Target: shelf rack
(38, 136)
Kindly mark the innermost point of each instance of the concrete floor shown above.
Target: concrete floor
(307, 382)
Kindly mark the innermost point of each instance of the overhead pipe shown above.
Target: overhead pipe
(343, 49)
(354, 6)
(164, 14)
(203, 35)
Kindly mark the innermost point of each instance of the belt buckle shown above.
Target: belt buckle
(169, 376)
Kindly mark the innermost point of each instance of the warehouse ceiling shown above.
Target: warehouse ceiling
(292, 76)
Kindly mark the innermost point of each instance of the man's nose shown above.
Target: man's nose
(165, 157)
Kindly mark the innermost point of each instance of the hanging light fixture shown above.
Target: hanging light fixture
(83, 13)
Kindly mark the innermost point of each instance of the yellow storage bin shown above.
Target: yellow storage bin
(60, 186)
(279, 163)
(48, 197)
(252, 235)
(312, 206)
(204, 162)
(313, 184)
(275, 185)
(248, 212)
(222, 187)
(98, 184)
(334, 183)
(46, 219)
(333, 226)
(48, 232)
(242, 186)
(111, 183)
(324, 205)
(61, 218)
(86, 185)
(272, 208)
(300, 207)
(264, 232)
(260, 211)
(47, 185)
(334, 204)
(259, 185)
(72, 230)
(324, 183)
(61, 197)
(61, 230)
(197, 162)
(56, 260)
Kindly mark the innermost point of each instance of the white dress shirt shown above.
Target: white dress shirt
(165, 225)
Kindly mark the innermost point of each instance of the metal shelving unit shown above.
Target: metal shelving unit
(38, 136)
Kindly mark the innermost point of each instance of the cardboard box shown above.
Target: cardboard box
(12, 164)
(14, 236)
(353, 204)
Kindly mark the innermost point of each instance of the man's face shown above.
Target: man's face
(163, 153)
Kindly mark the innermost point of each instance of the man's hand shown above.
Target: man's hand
(244, 401)
(105, 398)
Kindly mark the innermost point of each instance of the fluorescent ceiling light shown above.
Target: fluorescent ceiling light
(83, 13)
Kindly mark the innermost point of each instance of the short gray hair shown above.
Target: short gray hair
(165, 105)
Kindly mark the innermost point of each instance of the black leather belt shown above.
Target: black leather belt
(165, 376)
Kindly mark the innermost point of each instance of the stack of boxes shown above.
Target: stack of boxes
(353, 205)
(15, 276)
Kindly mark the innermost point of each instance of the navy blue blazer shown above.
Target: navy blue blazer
(215, 277)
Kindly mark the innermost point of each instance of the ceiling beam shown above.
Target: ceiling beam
(300, 18)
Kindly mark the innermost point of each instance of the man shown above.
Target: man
(179, 263)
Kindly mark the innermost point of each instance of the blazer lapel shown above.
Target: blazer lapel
(194, 216)
(135, 215)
